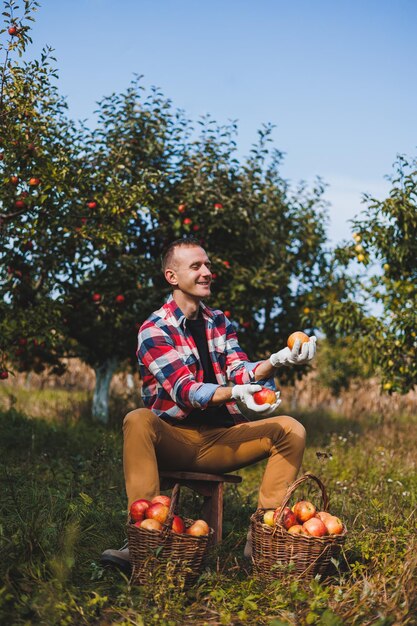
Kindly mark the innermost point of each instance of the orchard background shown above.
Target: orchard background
(84, 214)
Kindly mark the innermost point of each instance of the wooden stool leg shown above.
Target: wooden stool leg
(213, 511)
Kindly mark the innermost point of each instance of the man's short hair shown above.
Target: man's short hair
(168, 251)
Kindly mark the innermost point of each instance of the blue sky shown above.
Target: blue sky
(337, 78)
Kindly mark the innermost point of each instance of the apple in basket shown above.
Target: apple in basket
(268, 517)
(198, 529)
(333, 524)
(150, 524)
(157, 511)
(315, 527)
(163, 499)
(288, 517)
(304, 510)
(297, 529)
(138, 508)
(178, 525)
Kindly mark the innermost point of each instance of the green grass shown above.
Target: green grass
(62, 503)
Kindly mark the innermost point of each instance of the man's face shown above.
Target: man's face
(190, 271)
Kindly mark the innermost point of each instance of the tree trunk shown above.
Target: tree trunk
(104, 374)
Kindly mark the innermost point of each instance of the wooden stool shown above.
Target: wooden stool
(208, 485)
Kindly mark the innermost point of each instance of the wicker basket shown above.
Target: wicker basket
(275, 552)
(151, 549)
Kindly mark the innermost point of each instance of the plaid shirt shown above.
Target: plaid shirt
(170, 367)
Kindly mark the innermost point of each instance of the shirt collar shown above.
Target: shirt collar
(178, 315)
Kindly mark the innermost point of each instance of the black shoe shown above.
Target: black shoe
(117, 558)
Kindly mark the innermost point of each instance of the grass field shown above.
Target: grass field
(62, 503)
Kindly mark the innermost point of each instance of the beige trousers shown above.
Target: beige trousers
(151, 444)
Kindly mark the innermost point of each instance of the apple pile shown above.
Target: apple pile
(304, 519)
(152, 514)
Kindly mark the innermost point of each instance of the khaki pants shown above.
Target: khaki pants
(151, 444)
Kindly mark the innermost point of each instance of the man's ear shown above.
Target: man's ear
(171, 277)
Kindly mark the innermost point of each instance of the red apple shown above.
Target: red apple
(14, 180)
(19, 204)
(187, 221)
(92, 204)
(34, 182)
(198, 529)
(138, 508)
(120, 298)
(333, 524)
(288, 517)
(297, 529)
(4, 375)
(315, 527)
(304, 510)
(228, 314)
(163, 499)
(13, 31)
(226, 264)
(157, 511)
(1, 156)
(178, 525)
(96, 297)
(264, 396)
(196, 227)
(323, 515)
(181, 208)
(218, 206)
(151, 524)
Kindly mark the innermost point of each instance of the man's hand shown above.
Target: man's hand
(244, 394)
(289, 357)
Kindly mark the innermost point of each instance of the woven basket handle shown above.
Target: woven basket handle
(172, 507)
(297, 483)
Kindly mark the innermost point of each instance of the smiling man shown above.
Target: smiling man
(197, 387)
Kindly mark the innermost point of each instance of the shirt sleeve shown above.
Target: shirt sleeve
(238, 367)
(158, 354)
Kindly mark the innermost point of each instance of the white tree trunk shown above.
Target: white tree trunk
(104, 374)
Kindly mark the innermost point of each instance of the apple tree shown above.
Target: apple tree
(377, 317)
(38, 145)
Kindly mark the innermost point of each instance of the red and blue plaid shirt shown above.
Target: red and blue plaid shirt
(170, 367)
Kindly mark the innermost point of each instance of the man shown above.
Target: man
(198, 388)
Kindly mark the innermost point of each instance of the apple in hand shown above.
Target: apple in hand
(265, 396)
(163, 499)
(178, 525)
(315, 527)
(157, 511)
(138, 508)
(304, 510)
(298, 335)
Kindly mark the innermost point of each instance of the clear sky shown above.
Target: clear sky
(336, 77)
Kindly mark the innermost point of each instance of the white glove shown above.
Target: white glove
(294, 357)
(244, 394)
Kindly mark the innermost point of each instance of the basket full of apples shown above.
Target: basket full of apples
(302, 539)
(157, 535)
